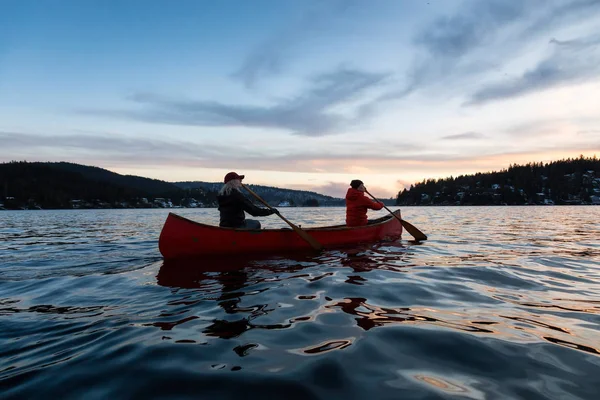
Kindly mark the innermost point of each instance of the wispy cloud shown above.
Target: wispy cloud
(448, 41)
(112, 146)
(403, 183)
(453, 37)
(535, 128)
(141, 153)
(339, 189)
(308, 114)
(552, 126)
(137, 150)
(336, 189)
(452, 51)
(273, 55)
(572, 61)
(143, 150)
(466, 135)
(128, 152)
(589, 132)
(558, 13)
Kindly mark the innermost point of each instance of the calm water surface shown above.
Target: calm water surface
(499, 303)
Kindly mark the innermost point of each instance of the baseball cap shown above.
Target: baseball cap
(232, 175)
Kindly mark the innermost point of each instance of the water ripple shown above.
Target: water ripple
(500, 302)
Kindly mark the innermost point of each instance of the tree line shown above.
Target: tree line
(567, 181)
(47, 185)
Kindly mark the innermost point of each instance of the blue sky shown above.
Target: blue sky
(304, 94)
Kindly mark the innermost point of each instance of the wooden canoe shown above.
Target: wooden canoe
(184, 238)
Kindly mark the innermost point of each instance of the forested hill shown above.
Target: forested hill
(569, 181)
(34, 185)
(65, 185)
(148, 185)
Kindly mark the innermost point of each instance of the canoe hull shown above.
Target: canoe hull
(183, 238)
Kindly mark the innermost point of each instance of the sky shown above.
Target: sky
(299, 93)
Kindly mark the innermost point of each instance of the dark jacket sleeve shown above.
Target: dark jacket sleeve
(254, 210)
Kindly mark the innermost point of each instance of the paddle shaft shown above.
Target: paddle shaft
(416, 233)
(315, 245)
(384, 206)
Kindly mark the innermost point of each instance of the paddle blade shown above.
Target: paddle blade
(315, 245)
(417, 234)
(410, 228)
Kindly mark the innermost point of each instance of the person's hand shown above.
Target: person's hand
(275, 211)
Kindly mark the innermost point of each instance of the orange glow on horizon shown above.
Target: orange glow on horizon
(387, 176)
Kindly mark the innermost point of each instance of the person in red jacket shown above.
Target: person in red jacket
(357, 204)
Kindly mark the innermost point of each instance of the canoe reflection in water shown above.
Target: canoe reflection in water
(229, 282)
(233, 278)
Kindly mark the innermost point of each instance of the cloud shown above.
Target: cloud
(339, 189)
(455, 36)
(143, 150)
(335, 189)
(589, 132)
(308, 114)
(272, 55)
(564, 12)
(578, 44)
(553, 126)
(103, 150)
(466, 135)
(129, 152)
(404, 184)
(454, 50)
(536, 128)
(572, 61)
(447, 42)
(108, 147)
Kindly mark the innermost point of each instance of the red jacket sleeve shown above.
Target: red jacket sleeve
(373, 205)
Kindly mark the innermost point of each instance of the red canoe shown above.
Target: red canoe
(181, 237)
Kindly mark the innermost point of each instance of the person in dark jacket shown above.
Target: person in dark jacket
(357, 204)
(233, 204)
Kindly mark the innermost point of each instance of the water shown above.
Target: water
(500, 302)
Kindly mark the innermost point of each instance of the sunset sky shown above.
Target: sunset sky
(297, 93)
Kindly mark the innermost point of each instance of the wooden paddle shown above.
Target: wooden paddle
(417, 234)
(312, 241)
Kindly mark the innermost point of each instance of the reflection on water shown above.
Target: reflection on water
(500, 302)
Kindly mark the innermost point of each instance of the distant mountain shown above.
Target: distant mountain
(570, 181)
(272, 195)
